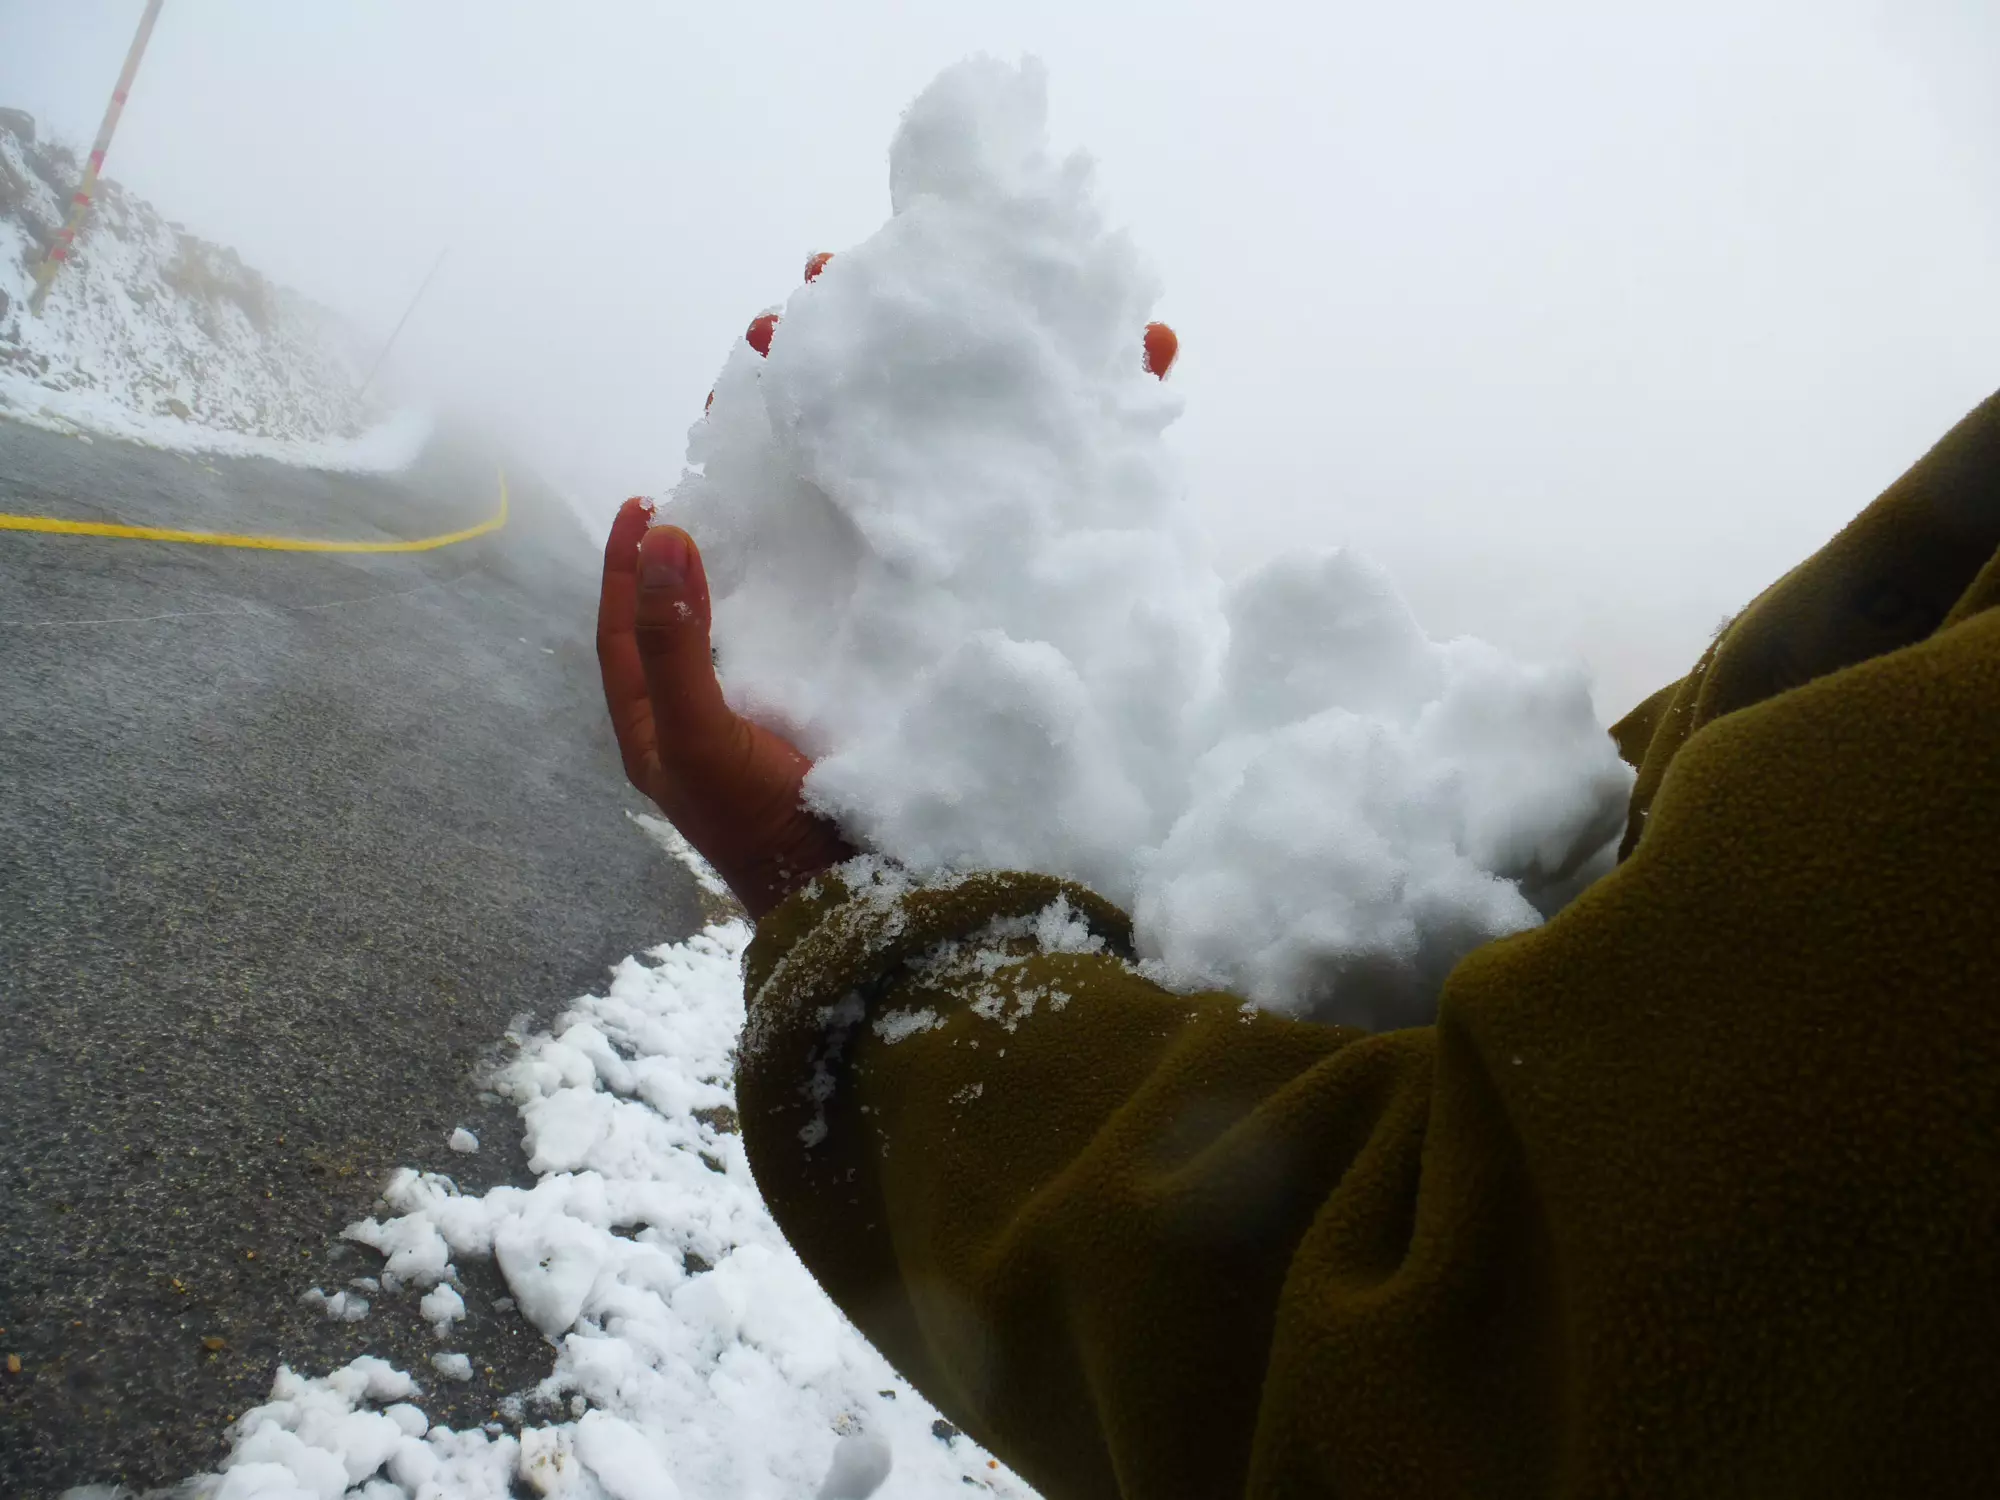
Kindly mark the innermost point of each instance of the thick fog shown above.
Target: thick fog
(1586, 324)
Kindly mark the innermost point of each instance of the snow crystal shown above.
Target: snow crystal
(442, 1306)
(342, 1307)
(951, 556)
(551, 1264)
(416, 1251)
(463, 1140)
(895, 1026)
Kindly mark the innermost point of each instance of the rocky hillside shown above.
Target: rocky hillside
(153, 333)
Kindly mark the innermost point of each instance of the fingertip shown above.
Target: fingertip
(760, 331)
(1162, 347)
(633, 517)
(817, 263)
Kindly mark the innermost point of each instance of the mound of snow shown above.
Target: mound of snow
(153, 335)
(953, 558)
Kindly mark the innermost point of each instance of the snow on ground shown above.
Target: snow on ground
(952, 556)
(152, 335)
(391, 445)
(694, 1358)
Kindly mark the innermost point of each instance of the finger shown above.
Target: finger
(759, 332)
(1162, 347)
(816, 264)
(625, 692)
(671, 624)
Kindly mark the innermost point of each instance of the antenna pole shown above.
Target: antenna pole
(424, 287)
(79, 203)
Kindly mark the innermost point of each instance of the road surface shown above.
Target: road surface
(286, 842)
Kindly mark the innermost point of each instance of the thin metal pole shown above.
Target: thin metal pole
(397, 330)
(79, 204)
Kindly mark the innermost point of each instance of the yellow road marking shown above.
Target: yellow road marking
(56, 527)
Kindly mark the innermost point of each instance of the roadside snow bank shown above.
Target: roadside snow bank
(952, 556)
(694, 1356)
(155, 336)
(391, 445)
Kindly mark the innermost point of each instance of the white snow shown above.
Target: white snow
(692, 1354)
(861, 1461)
(390, 445)
(443, 1306)
(342, 1307)
(952, 556)
(154, 336)
(463, 1140)
(669, 839)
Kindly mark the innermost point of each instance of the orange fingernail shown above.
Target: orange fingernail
(817, 264)
(759, 334)
(709, 402)
(1161, 346)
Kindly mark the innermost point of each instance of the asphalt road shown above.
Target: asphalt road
(286, 842)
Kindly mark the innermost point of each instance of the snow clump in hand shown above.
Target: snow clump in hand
(952, 557)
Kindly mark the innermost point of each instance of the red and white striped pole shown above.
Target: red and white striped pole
(79, 204)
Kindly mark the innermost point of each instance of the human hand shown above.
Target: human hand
(732, 787)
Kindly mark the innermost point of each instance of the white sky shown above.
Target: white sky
(1587, 318)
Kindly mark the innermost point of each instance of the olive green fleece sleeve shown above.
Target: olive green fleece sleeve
(1693, 1191)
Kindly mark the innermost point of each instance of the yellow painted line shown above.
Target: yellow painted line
(56, 527)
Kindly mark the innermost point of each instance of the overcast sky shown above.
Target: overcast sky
(1588, 319)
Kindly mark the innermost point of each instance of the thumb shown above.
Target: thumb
(671, 627)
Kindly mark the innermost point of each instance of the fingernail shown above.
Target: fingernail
(665, 559)
(817, 264)
(1160, 347)
(759, 334)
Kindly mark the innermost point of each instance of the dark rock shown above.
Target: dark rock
(13, 190)
(721, 1119)
(20, 123)
(943, 1431)
(56, 165)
